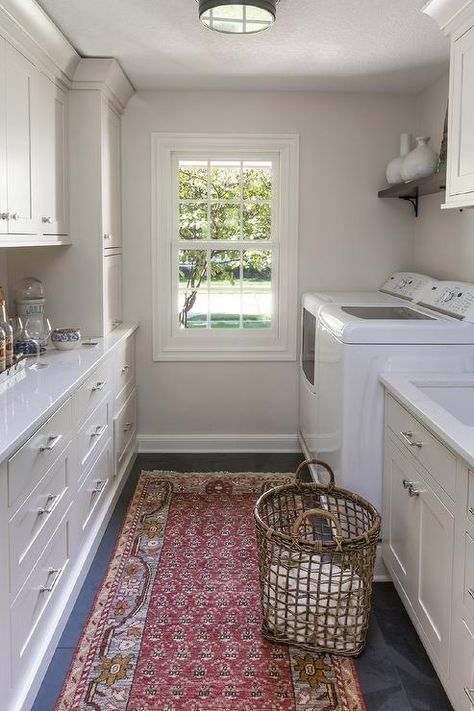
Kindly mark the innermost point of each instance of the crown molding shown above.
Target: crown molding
(26, 26)
(104, 75)
(449, 14)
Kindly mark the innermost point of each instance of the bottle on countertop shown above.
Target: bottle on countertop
(8, 331)
(3, 361)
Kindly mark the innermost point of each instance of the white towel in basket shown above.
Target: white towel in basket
(303, 590)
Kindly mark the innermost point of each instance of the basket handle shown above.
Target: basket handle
(298, 475)
(318, 512)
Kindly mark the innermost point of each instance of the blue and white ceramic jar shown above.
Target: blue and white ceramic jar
(65, 339)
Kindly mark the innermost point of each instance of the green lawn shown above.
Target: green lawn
(230, 321)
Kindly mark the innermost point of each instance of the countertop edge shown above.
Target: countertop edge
(111, 341)
(398, 385)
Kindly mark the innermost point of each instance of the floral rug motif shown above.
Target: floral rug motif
(176, 623)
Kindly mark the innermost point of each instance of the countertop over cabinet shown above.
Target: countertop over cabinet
(30, 397)
(409, 389)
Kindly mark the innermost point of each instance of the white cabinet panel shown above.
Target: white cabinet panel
(400, 517)
(3, 140)
(21, 114)
(111, 184)
(463, 667)
(112, 291)
(435, 555)
(53, 203)
(461, 148)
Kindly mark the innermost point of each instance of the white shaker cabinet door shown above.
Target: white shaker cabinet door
(21, 115)
(3, 141)
(461, 134)
(111, 182)
(400, 519)
(52, 132)
(112, 291)
(435, 574)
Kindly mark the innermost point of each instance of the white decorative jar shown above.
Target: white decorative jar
(393, 172)
(420, 162)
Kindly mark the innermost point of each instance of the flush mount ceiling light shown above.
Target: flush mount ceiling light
(233, 17)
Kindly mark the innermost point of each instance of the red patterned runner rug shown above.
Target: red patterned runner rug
(176, 623)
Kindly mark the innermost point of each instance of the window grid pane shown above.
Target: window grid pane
(213, 294)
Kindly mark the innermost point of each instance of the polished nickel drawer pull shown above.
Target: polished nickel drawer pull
(57, 573)
(125, 369)
(413, 492)
(471, 510)
(98, 386)
(407, 483)
(471, 592)
(100, 485)
(407, 437)
(53, 440)
(99, 430)
(470, 695)
(54, 500)
(127, 426)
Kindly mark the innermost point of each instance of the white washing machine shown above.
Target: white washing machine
(354, 343)
(399, 287)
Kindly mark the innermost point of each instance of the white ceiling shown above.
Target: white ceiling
(355, 45)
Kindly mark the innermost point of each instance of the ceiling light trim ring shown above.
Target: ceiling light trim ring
(268, 6)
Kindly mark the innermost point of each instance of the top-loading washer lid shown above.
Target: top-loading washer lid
(390, 313)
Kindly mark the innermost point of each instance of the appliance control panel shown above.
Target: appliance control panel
(455, 298)
(408, 285)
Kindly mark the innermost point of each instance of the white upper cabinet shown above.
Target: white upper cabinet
(52, 164)
(456, 19)
(3, 140)
(111, 184)
(20, 110)
(461, 163)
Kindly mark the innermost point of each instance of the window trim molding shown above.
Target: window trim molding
(166, 345)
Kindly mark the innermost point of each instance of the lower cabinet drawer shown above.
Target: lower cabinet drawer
(28, 465)
(32, 610)
(470, 497)
(32, 524)
(469, 574)
(93, 434)
(93, 489)
(463, 667)
(125, 427)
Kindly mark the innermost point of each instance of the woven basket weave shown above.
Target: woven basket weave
(316, 550)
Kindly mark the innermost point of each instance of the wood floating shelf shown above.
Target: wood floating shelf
(414, 189)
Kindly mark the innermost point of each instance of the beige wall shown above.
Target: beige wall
(444, 239)
(348, 238)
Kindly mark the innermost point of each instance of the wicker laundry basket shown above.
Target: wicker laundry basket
(316, 549)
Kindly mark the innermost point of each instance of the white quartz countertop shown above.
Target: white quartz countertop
(28, 398)
(458, 436)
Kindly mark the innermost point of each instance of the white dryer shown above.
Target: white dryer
(354, 343)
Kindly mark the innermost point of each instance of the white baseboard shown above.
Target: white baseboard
(218, 443)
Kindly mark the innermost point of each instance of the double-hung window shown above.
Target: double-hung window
(225, 246)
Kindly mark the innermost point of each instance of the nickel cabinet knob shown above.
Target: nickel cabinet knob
(4, 215)
(47, 220)
(14, 216)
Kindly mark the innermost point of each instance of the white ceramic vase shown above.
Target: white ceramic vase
(420, 162)
(393, 172)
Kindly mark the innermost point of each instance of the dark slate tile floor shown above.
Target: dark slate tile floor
(394, 670)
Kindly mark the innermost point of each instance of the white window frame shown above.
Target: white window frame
(276, 343)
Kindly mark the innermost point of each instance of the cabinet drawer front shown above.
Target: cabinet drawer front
(32, 524)
(423, 446)
(470, 497)
(463, 667)
(469, 574)
(125, 427)
(94, 488)
(124, 369)
(92, 391)
(27, 466)
(93, 434)
(35, 603)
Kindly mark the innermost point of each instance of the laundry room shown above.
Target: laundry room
(237, 355)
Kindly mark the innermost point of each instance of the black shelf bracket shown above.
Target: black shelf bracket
(413, 200)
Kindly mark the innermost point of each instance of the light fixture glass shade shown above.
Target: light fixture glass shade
(231, 16)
